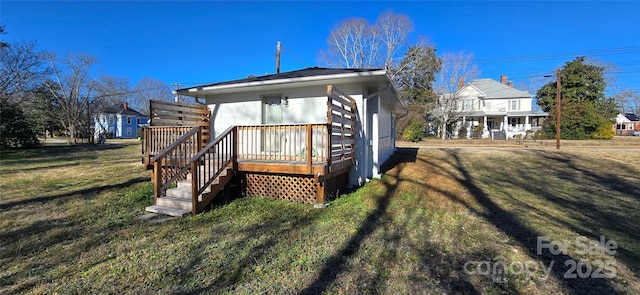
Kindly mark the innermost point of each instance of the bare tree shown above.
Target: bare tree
(352, 44)
(393, 32)
(112, 92)
(455, 67)
(148, 89)
(74, 91)
(628, 101)
(356, 43)
(22, 68)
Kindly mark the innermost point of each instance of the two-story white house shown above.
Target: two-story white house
(497, 108)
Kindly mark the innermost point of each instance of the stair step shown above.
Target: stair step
(178, 192)
(178, 203)
(187, 184)
(222, 174)
(167, 211)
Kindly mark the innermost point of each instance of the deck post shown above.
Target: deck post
(309, 148)
(157, 180)
(234, 153)
(329, 123)
(194, 188)
(320, 186)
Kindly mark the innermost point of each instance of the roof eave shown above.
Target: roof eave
(228, 87)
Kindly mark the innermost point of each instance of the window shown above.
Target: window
(128, 120)
(515, 105)
(621, 126)
(466, 105)
(138, 120)
(129, 131)
(630, 126)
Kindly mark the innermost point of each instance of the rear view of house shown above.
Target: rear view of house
(627, 124)
(298, 136)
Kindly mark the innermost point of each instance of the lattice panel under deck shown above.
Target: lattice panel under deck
(282, 187)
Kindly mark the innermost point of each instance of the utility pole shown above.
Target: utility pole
(177, 86)
(558, 110)
(278, 58)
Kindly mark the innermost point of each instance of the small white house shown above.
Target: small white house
(301, 97)
(500, 110)
(627, 124)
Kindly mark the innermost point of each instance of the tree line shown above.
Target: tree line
(43, 93)
(428, 81)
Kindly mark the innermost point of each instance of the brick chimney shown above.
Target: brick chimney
(460, 83)
(503, 79)
(510, 84)
(125, 106)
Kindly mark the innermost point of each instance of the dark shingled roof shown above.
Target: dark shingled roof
(632, 117)
(308, 72)
(121, 111)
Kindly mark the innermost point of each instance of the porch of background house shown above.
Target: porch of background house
(305, 163)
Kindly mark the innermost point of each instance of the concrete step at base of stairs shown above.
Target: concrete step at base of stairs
(178, 203)
(167, 211)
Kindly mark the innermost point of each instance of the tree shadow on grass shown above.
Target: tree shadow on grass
(337, 264)
(46, 154)
(84, 193)
(517, 230)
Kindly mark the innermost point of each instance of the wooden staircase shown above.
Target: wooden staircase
(178, 201)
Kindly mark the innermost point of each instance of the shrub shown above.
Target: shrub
(462, 132)
(477, 131)
(540, 135)
(414, 131)
(603, 131)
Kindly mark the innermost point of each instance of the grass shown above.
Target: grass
(68, 225)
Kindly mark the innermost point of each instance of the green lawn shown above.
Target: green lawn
(68, 225)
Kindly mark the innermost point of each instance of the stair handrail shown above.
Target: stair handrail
(180, 165)
(214, 158)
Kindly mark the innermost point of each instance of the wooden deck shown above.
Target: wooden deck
(299, 159)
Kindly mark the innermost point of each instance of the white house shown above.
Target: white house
(497, 108)
(301, 97)
(627, 124)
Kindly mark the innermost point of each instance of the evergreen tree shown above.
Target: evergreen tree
(584, 106)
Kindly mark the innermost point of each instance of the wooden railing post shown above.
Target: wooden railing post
(309, 148)
(157, 182)
(234, 153)
(194, 185)
(330, 145)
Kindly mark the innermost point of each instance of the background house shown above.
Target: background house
(499, 109)
(121, 122)
(627, 124)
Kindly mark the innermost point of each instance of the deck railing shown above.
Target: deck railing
(158, 138)
(284, 142)
(210, 162)
(172, 163)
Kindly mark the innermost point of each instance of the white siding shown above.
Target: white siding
(309, 105)
(385, 137)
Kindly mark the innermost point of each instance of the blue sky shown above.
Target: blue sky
(210, 41)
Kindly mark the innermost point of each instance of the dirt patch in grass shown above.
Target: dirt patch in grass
(68, 225)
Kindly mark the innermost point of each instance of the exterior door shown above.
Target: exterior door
(271, 114)
(491, 123)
